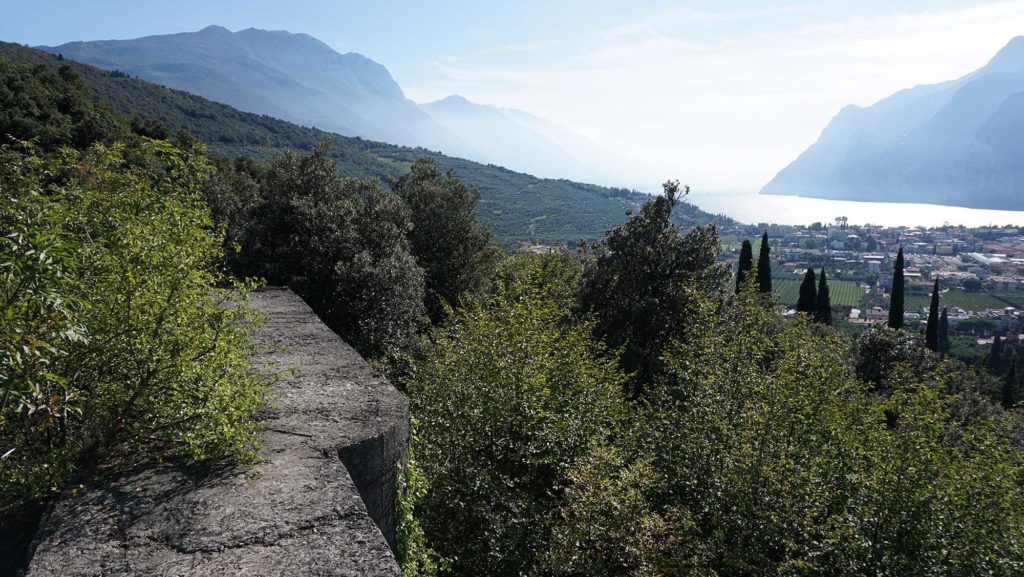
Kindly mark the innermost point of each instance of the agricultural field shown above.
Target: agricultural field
(960, 298)
(842, 292)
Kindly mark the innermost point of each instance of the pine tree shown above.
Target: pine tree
(944, 332)
(746, 264)
(1010, 386)
(995, 356)
(805, 303)
(823, 310)
(896, 299)
(764, 266)
(931, 333)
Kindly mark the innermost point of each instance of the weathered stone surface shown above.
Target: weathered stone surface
(332, 439)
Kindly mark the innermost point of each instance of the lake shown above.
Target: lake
(756, 208)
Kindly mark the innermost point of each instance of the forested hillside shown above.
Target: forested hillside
(516, 206)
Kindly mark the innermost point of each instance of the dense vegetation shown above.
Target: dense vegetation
(516, 206)
(627, 409)
(118, 345)
(756, 445)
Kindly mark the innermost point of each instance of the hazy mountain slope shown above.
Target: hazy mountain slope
(955, 143)
(499, 137)
(517, 206)
(291, 76)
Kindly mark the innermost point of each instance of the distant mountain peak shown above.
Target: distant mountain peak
(214, 29)
(1010, 58)
(955, 143)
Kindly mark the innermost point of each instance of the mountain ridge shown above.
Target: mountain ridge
(516, 206)
(937, 143)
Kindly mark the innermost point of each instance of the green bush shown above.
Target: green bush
(510, 399)
(118, 347)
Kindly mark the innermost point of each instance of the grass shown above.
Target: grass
(960, 298)
(842, 292)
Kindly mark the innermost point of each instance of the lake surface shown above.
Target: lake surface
(756, 208)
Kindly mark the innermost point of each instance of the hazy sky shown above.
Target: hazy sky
(720, 94)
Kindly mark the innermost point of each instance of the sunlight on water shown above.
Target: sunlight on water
(754, 208)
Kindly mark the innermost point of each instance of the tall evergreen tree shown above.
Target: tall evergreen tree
(1010, 386)
(764, 266)
(805, 303)
(944, 331)
(995, 356)
(896, 299)
(745, 266)
(823, 304)
(931, 333)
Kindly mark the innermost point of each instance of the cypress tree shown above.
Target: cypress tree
(944, 332)
(764, 266)
(896, 299)
(823, 310)
(1010, 386)
(746, 264)
(931, 333)
(995, 356)
(805, 303)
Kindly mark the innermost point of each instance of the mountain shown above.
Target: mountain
(516, 206)
(956, 143)
(514, 139)
(290, 76)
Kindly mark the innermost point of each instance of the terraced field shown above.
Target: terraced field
(963, 299)
(842, 292)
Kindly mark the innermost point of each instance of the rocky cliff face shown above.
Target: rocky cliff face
(320, 501)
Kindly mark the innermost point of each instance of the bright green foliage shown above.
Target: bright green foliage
(555, 276)
(745, 265)
(116, 341)
(808, 294)
(764, 266)
(511, 399)
(412, 551)
(932, 328)
(896, 299)
(763, 455)
(823, 302)
(453, 250)
(641, 282)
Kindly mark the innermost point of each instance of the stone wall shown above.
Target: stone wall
(319, 502)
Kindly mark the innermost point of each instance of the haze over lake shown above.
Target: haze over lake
(755, 208)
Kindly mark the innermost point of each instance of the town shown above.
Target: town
(980, 271)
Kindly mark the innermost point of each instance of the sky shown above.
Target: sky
(719, 94)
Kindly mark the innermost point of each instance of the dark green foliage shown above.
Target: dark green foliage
(995, 356)
(340, 243)
(880, 352)
(453, 250)
(807, 302)
(943, 332)
(931, 333)
(516, 206)
(764, 266)
(1011, 386)
(823, 303)
(896, 299)
(746, 264)
(640, 284)
(52, 109)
